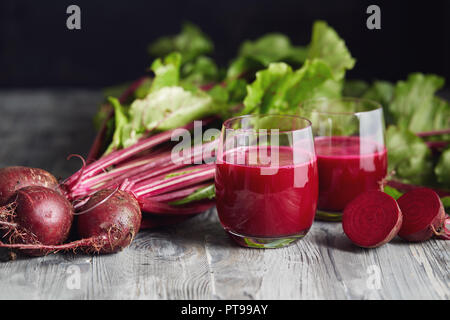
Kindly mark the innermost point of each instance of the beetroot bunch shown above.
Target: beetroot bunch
(36, 218)
(375, 218)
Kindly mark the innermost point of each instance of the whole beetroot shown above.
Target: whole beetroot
(111, 225)
(15, 178)
(36, 216)
(107, 223)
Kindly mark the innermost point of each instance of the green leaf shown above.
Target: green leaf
(115, 91)
(354, 88)
(383, 93)
(237, 90)
(191, 42)
(279, 89)
(101, 115)
(243, 66)
(394, 193)
(380, 91)
(328, 46)
(208, 192)
(258, 54)
(165, 109)
(167, 71)
(446, 202)
(415, 107)
(409, 156)
(273, 47)
(442, 169)
(200, 71)
(121, 121)
(143, 89)
(177, 174)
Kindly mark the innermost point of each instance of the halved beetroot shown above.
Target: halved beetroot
(372, 219)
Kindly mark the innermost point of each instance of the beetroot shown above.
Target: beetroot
(423, 215)
(372, 219)
(109, 222)
(36, 215)
(15, 178)
(112, 225)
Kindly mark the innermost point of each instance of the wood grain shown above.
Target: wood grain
(195, 259)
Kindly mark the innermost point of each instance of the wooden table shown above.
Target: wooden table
(196, 259)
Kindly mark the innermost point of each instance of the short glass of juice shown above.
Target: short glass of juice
(350, 149)
(266, 179)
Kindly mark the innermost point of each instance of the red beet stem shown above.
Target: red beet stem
(179, 194)
(199, 173)
(423, 214)
(372, 219)
(433, 133)
(123, 154)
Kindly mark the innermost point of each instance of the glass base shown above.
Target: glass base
(328, 215)
(266, 242)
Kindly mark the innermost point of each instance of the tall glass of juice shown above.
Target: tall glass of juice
(266, 179)
(350, 148)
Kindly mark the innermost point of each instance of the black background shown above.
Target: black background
(37, 50)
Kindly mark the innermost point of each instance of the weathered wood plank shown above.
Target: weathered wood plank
(196, 259)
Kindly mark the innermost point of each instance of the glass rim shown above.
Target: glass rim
(376, 106)
(226, 123)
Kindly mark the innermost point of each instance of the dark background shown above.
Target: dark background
(37, 50)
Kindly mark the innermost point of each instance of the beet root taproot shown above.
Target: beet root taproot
(372, 219)
(111, 225)
(35, 216)
(107, 223)
(423, 215)
(15, 178)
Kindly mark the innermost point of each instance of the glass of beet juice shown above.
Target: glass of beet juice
(266, 179)
(350, 148)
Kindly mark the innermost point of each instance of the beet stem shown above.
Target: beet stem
(206, 172)
(433, 133)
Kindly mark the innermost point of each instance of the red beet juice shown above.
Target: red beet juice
(348, 166)
(275, 202)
